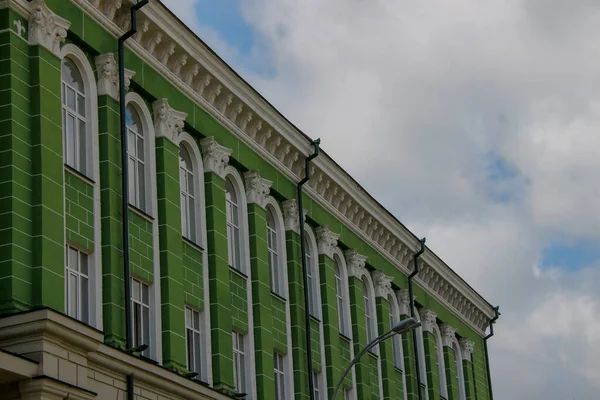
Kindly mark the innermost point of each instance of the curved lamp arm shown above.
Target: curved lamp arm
(401, 327)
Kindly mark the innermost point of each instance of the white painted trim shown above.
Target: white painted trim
(458, 359)
(185, 139)
(93, 165)
(439, 354)
(422, 373)
(238, 184)
(151, 205)
(338, 257)
(395, 311)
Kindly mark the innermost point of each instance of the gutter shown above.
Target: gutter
(485, 347)
(412, 314)
(125, 188)
(311, 384)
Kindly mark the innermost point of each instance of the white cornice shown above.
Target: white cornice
(209, 82)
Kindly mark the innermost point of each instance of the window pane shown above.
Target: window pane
(141, 187)
(71, 75)
(140, 148)
(196, 320)
(83, 267)
(135, 290)
(198, 353)
(73, 259)
(72, 295)
(71, 98)
(190, 350)
(146, 328)
(84, 300)
(145, 294)
(132, 183)
(81, 105)
(70, 140)
(82, 147)
(137, 325)
(192, 219)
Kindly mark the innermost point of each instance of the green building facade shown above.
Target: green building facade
(218, 306)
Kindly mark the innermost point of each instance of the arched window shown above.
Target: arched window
(370, 321)
(439, 360)
(136, 149)
(233, 226)
(312, 274)
(341, 293)
(274, 248)
(398, 352)
(460, 376)
(420, 349)
(188, 185)
(75, 118)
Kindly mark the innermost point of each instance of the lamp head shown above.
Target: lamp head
(406, 325)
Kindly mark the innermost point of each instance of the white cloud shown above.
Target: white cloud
(414, 97)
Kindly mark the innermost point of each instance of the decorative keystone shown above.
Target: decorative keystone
(216, 157)
(428, 320)
(448, 334)
(108, 76)
(383, 284)
(291, 215)
(257, 188)
(326, 240)
(466, 347)
(356, 263)
(168, 123)
(46, 28)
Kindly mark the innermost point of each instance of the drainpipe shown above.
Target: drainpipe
(311, 384)
(485, 347)
(412, 313)
(125, 187)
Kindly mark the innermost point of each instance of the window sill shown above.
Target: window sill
(278, 296)
(238, 272)
(398, 370)
(312, 317)
(141, 213)
(79, 175)
(192, 244)
(345, 337)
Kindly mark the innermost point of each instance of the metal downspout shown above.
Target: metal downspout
(485, 347)
(311, 384)
(125, 187)
(412, 313)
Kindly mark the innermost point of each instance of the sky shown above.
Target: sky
(477, 124)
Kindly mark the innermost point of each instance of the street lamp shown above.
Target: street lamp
(401, 327)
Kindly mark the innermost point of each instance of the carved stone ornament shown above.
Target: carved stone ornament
(466, 348)
(428, 319)
(404, 301)
(168, 123)
(356, 263)
(383, 284)
(448, 334)
(46, 28)
(326, 240)
(216, 157)
(108, 76)
(257, 188)
(291, 215)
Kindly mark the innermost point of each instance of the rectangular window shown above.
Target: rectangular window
(140, 301)
(193, 337)
(239, 362)
(396, 343)
(279, 377)
(276, 279)
(77, 284)
(368, 317)
(341, 307)
(316, 377)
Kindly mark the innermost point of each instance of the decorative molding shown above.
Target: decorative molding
(215, 156)
(162, 43)
(403, 296)
(448, 334)
(168, 123)
(355, 263)
(257, 188)
(428, 320)
(108, 76)
(291, 215)
(46, 28)
(326, 240)
(383, 284)
(466, 347)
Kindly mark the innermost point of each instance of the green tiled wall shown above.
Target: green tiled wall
(141, 247)
(79, 211)
(239, 302)
(193, 283)
(279, 325)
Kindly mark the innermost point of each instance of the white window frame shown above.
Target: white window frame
(197, 338)
(139, 104)
(143, 323)
(234, 208)
(136, 197)
(187, 176)
(240, 375)
(80, 59)
(398, 351)
(341, 298)
(420, 347)
(81, 159)
(440, 363)
(460, 374)
(317, 384)
(370, 312)
(80, 312)
(312, 272)
(274, 252)
(279, 364)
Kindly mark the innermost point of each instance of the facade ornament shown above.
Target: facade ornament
(448, 334)
(108, 76)
(216, 157)
(428, 320)
(189, 73)
(46, 28)
(111, 7)
(356, 263)
(326, 240)
(168, 123)
(257, 188)
(466, 348)
(383, 284)
(403, 296)
(291, 215)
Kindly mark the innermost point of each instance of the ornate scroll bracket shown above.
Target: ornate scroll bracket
(326, 241)
(46, 28)
(383, 284)
(448, 334)
(428, 320)
(257, 188)
(356, 263)
(108, 76)
(168, 123)
(216, 157)
(466, 347)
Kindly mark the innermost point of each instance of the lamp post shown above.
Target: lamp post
(401, 327)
